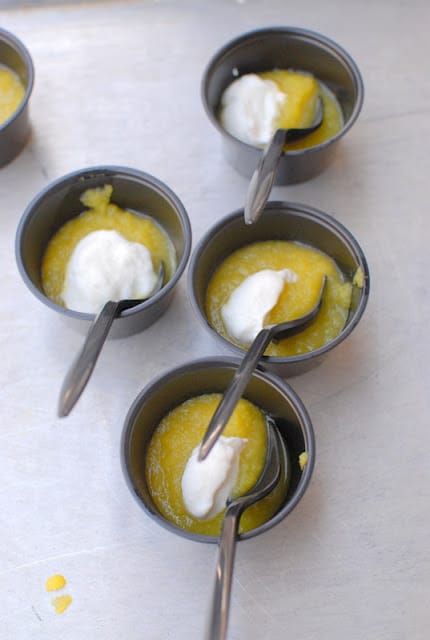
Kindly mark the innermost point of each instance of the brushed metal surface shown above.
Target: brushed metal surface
(119, 83)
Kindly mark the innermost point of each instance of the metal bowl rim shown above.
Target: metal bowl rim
(151, 182)
(221, 362)
(317, 38)
(15, 43)
(318, 216)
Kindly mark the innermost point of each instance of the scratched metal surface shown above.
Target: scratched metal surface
(119, 83)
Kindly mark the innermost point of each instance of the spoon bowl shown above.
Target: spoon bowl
(276, 456)
(83, 365)
(264, 175)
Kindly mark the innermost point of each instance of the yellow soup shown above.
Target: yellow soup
(11, 93)
(102, 214)
(172, 444)
(296, 299)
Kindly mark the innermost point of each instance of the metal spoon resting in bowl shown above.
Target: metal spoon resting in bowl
(264, 175)
(275, 452)
(241, 378)
(82, 367)
(276, 455)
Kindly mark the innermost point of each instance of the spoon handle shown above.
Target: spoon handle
(219, 612)
(263, 177)
(234, 391)
(84, 363)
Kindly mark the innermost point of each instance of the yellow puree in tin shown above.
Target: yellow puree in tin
(302, 90)
(172, 444)
(101, 214)
(11, 93)
(296, 299)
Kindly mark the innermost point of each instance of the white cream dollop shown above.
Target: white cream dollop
(206, 484)
(245, 312)
(250, 107)
(106, 266)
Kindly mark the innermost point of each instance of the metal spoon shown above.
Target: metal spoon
(269, 478)
(241, 378)
(264, 175)
(82, 367)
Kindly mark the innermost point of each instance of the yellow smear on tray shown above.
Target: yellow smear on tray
(56, 582)
(61, 603)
